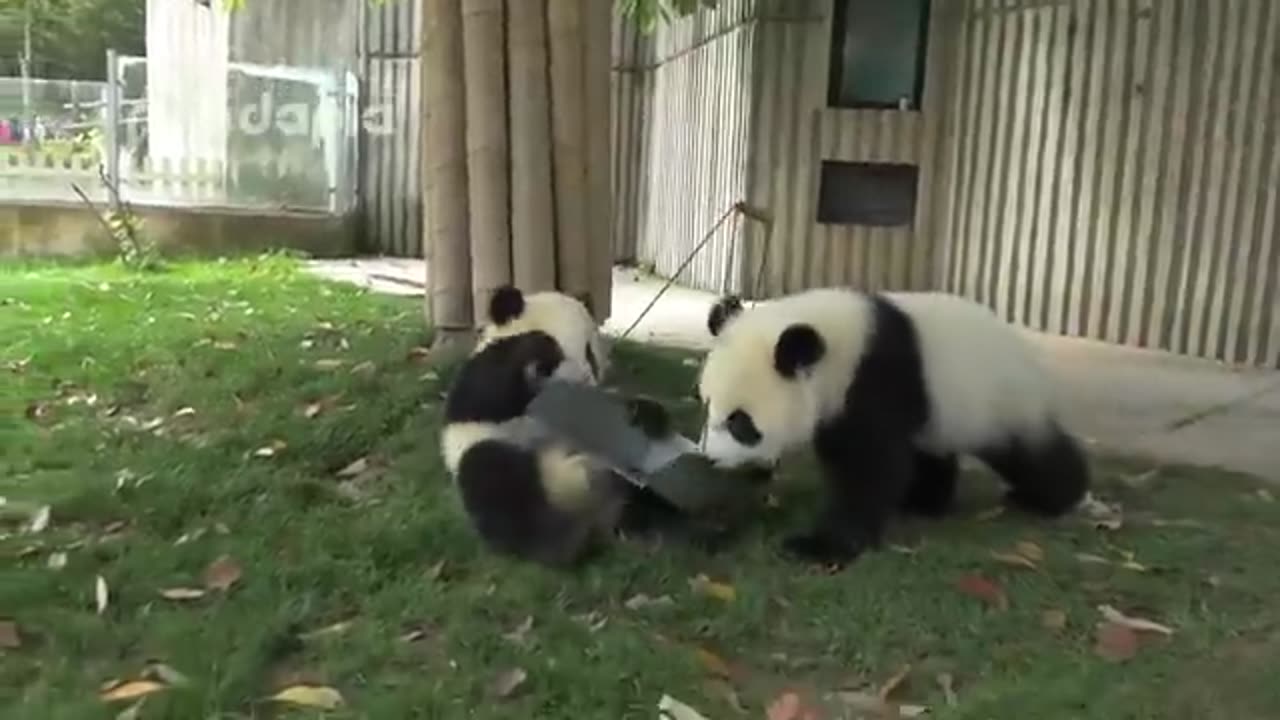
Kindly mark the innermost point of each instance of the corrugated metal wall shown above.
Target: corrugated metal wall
(390, 174)
(302, 33)
(795, 131)
(682, 104)
(1116, 171)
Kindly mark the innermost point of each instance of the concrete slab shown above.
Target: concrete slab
(1141, 402)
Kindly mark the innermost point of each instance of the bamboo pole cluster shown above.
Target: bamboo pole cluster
(516, 152)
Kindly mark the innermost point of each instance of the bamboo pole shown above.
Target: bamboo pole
(564, 31)
(447, 242)
(533, 230)
(484, 52)
(597, 64)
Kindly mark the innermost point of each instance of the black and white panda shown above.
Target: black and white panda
(889, 389)
(528, 492)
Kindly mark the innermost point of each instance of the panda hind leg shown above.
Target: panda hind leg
(1047, 475)
(932, 491)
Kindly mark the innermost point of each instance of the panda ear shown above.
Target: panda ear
(799, 348)
(722, 312)
(507, 303)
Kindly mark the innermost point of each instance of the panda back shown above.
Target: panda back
(982, 378)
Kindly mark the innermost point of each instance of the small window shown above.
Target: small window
(879, 194)
(877, 53)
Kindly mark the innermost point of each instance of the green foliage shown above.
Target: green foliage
(70, 38)
(648, 13)
(135, 250)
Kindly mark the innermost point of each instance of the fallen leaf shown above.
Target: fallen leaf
(947, 684)
(363, 368)
(1265, 495)
(270, 450)
(329, 364)
(520, 635)
(419, 353)
(983, 589)
(40, 520)
(702, 585)
(57, 561)
(903, 549)
(184, 412)
(131, 690)
(1053, 619)
(222, 574)
(1030, 551)
(594, 620)
(1015, 560)
(37, 411)
(101, 594)
(893, 682)
(225, 345)
(335, 629)
(1115, 642)
(182, 593)
(508, 681)
(670, 708)
(435, 572)
(1092, 559)
(1133, 623)
(713, 663)
(312, 410)
(641, 601)
(316, 696)
(868, 704)
(355, 468)
(9, 636)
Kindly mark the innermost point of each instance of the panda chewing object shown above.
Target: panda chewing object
(529, 491)
(888, 389)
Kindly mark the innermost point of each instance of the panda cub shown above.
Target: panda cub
(529, 493)
(888, 389)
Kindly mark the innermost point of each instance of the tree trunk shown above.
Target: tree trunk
(597, 62)
(447, 250)
(484, 50)
(533, 231)
(573, 251)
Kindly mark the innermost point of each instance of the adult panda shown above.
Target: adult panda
(529, 493)
(889, 389)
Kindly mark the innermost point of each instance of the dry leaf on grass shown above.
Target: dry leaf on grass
(983, 589)
(335, 629)
(222, 574)
(133, 712)
(866, 704)
(893, 682)
(1053, 619)
(702, 585)
(40, 520)
(10, 639)
(311, 410)
(101, 594)
(165, 674)
(670, 708)
(1091, 559)
(508, 682)
(363, 368)
(1133, 623)
(947, 684)
(329, 364)
(436, 572)
(57, 561)
(1014, 560)
(355, 468)
(184, 413)
(642, 601)
(1115, 642)
(271, 450)
(1030, 551)
(130, 690)
(713, 663)
(520, 635)
(182, 593)
(315, 696)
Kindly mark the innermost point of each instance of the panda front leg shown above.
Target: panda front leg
(868, 473)
(932, 492)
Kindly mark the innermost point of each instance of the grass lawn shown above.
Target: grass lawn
(204, 417)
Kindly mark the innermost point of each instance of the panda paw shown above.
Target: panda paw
(822, 549)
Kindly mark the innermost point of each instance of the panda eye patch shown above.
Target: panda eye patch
(743, 428)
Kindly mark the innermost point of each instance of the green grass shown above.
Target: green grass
(91, 357)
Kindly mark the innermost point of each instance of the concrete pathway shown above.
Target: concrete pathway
(1139, 402)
